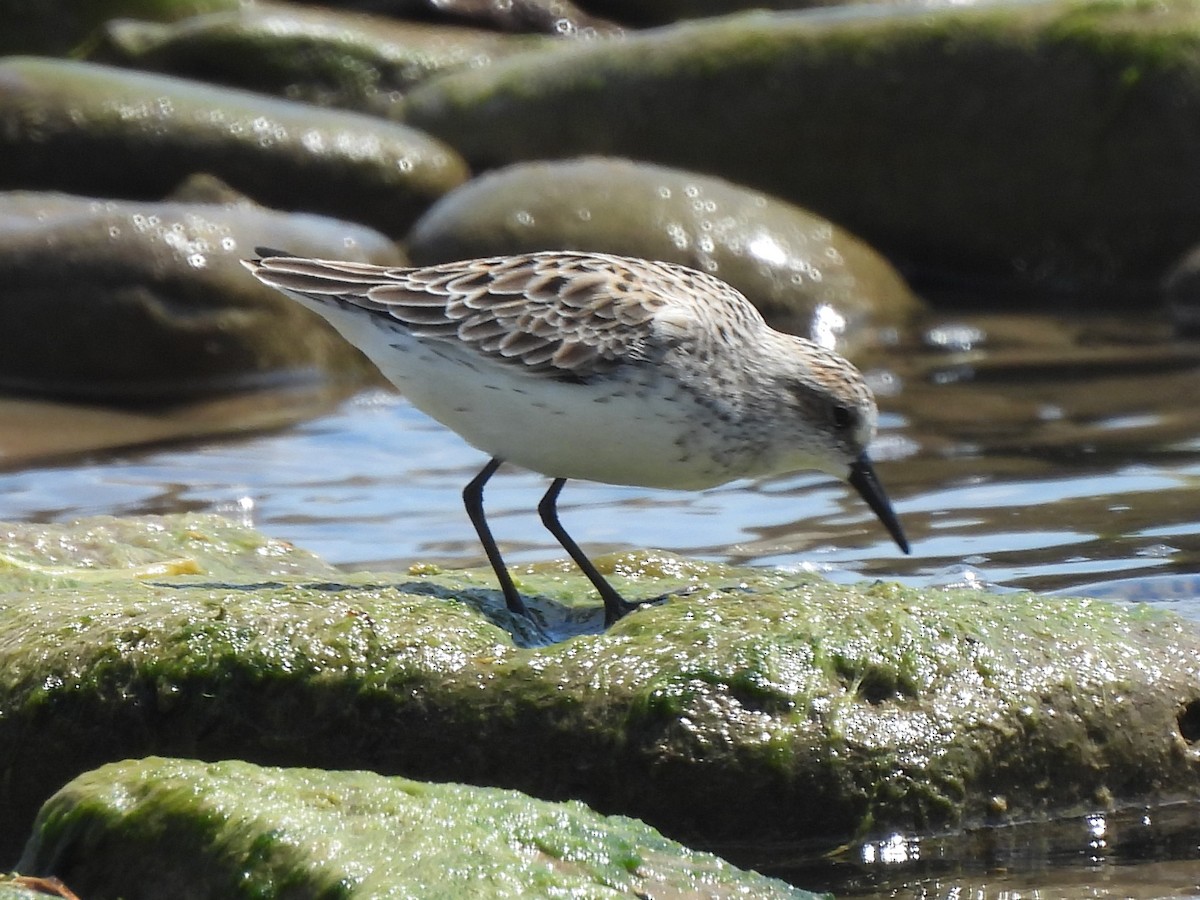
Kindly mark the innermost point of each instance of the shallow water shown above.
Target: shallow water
(1132, 854)
(1020, 451)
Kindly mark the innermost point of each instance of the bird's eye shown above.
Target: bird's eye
(844, 417)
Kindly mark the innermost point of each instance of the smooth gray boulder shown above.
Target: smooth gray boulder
(138, 301)
(109, 132)
(802, 271)
(325, 56)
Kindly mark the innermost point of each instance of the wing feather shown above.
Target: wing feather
(557, 314)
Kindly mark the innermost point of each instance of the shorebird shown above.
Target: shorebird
(597, 367)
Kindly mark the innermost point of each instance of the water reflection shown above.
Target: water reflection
(1134, 853)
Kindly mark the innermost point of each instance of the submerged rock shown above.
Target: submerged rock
(128, 301)
(185, 829)
(799, 269)
(750, 705)
(1034, 141)
(111, 132)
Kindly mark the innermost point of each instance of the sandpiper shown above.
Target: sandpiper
(599, 367)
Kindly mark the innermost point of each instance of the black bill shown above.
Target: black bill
(862, 476)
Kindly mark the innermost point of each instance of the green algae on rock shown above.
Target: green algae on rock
(135, 301)
(799, 269)
(750, 705)
(105, 131)
(1041, 142)
(113, 550)
(185, 829)
(323, 56)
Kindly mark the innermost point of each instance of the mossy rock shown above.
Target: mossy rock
(184, 829)
(749, 706)
(1053, 142)
(325, 56)
(104, 131)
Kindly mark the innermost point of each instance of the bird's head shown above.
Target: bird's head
(833, 416)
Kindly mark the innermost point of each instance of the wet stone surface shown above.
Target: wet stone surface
(750, 705)
(105, 131)
(132, 302)
(799, 269)
(322, 56)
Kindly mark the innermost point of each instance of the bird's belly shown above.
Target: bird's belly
(619, 432)
(635, 427)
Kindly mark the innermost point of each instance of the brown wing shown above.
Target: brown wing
(559, 313)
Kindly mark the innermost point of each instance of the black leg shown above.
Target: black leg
(473, 500)
(614, 606)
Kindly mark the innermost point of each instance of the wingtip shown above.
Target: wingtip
(265, 252)
(255, 263)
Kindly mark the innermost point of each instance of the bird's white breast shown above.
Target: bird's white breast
(635, 427)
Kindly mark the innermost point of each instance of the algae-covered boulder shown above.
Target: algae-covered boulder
(130, 301)
(104, 131)
(749, 705)
(1042, 141)
(323, 56)
(183, 829)
(799, 269)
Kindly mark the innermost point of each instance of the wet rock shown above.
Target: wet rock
(318, 56)
(129, 301)
(558, 17)
(1033, 141)
(182, 828)
(105, 131)
(750, 705)
(663, 12)
(799, 269)
(58, 26)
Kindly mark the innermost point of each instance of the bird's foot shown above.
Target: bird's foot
(615, 611)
